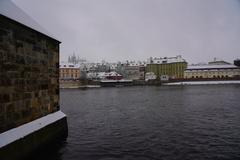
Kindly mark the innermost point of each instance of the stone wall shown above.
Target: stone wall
(29, 86)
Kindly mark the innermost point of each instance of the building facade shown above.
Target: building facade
(131, 70)
(237, 62)
(150, 76)
(69, 72)
(173, 67)
(212, 71)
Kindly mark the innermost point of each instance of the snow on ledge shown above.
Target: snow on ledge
(202, 82)
(28, 128)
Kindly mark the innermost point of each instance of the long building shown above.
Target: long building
(173, 67)
(212, 71)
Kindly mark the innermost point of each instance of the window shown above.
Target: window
(164, 61)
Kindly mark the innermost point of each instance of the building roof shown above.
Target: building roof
(108, 74)
(69, 65)
(166, 60)
(218, 62)
(10, 10)
(201, 67)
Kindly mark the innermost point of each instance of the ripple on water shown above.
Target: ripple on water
(148, 123)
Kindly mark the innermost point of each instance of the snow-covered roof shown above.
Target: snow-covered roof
(107, 74)
(9, 9)
(198, 67)
(133, 64)
(113, 74)
(165, 60)
(69, 65)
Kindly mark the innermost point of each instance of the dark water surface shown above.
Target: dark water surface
(148, 123)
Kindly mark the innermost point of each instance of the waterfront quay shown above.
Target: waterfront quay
(150, 123)
(154, 71)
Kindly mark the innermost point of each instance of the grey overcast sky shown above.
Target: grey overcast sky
(114, 30)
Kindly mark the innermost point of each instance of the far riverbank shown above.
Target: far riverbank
(79, 85)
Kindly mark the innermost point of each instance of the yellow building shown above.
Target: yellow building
(69, 72)
(173, 67)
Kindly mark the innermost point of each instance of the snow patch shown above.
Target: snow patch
(202, 82)
(28, 128)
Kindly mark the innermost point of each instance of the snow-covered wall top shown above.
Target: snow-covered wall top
(12, 11)
(28, 128)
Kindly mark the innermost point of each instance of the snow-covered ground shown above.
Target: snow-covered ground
(121, 80)
(203, 82)
(90, 86)
(28, 128)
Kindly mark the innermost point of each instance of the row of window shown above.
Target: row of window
(210, 73)
(210, 70)
(210, 77)
(69, 70)
(69, 76)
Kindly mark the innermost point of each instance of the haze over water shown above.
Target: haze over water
(148, 123)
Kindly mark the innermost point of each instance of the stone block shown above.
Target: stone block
(2, 109)
(9, 108)
(28, 95)
(3, 32)
(4, 97)
(34, 103)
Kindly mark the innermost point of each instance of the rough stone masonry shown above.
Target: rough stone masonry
(29, 86)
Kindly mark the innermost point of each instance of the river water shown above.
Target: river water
(151, 123)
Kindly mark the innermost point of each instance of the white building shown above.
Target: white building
(150, 76)
(109, 75)
(212, 71)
